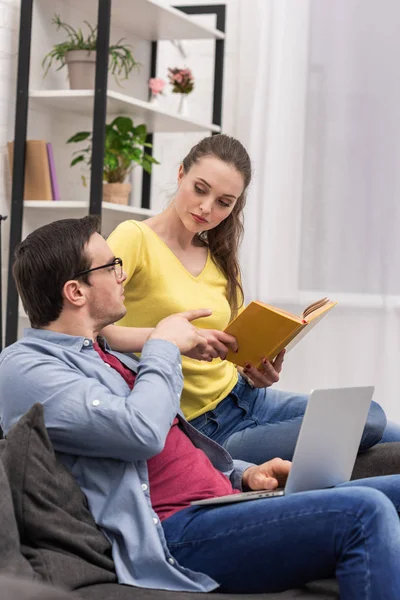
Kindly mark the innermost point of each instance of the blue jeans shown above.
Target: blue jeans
(273, 544)
(259, 424)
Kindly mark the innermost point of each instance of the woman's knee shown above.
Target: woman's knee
(391, 433)
(374, 427)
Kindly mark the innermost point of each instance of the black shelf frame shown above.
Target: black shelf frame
(99, 120)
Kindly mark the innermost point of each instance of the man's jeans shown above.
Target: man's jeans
(259, 424)
(274, 544)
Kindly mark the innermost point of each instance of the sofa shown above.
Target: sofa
(50, 547)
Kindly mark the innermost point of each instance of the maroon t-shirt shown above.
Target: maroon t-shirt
(181, 472)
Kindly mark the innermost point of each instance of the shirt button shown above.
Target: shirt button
(86, 342)
(144, 486)
(96, 402)
(171, 561)
(155, 520)
(180, 367)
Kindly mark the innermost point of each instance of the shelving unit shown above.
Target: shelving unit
(71, 206)
(156, 118)
(149, 20)
(40, 212)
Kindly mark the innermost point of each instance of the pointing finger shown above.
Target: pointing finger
(196, 313)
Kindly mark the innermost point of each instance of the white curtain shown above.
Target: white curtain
(323, 215)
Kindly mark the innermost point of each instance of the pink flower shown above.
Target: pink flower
(181, 80)
(156, 85)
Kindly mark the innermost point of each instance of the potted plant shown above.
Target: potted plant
(79, 53)
(125, 147)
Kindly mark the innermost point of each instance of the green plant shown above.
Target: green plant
(124, 145)
(121, 59)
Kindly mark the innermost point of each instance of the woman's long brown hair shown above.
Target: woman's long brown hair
(224, 240)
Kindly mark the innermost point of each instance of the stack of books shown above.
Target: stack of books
(40, 172)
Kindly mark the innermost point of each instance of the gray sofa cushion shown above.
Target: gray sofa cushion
(318, 590)
(383, 459)
(58, 534)
(22, 589)
(11, 559)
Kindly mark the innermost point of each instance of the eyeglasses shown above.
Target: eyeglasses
(116, 264)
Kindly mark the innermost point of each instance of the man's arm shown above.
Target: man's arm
(81, 414)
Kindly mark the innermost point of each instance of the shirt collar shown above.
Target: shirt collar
(63, 339)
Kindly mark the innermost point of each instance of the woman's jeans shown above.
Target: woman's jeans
(259, 424)
(274, 544)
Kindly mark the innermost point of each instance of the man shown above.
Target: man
(116, 424)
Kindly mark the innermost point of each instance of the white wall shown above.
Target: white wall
(171, 148)
(359, 342)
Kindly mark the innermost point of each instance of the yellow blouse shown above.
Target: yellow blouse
(157, 286)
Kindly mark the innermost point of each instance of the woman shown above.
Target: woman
(187, 257)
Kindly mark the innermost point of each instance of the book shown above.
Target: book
(37, 170)
(262, 330)
(53, 175)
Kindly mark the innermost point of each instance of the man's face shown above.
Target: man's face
(106, 293)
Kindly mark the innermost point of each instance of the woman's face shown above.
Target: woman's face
(207, 193)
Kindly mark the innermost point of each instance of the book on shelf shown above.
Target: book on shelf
(37, 170)
(53, 174)
(262, 330)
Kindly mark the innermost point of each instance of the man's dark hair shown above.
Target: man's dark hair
(46, 260)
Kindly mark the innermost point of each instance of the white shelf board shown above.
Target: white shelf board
(73, 205)
(152, 20)
(155, 118)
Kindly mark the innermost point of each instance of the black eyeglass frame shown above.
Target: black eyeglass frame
(114, 263)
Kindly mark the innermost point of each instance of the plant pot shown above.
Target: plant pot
(118, 193)
(81, 69)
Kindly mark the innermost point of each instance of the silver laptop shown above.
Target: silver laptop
(327, 445)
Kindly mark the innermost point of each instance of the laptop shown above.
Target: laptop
(327, 445)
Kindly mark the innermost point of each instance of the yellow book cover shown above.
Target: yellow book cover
(37, 171)
(262, 330)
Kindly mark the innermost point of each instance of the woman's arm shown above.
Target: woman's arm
(132, 339)
(126, 339)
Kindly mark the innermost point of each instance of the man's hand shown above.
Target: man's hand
(268, 476)
(178, 330)
(268, 373)
(218, 344)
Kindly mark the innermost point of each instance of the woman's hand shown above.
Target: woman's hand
(267, 375)
(268, 476)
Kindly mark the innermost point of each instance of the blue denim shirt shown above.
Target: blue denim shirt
(105, 433)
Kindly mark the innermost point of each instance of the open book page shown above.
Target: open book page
(280, 311)
(323, 308)
(314, 307)
(313, 320)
